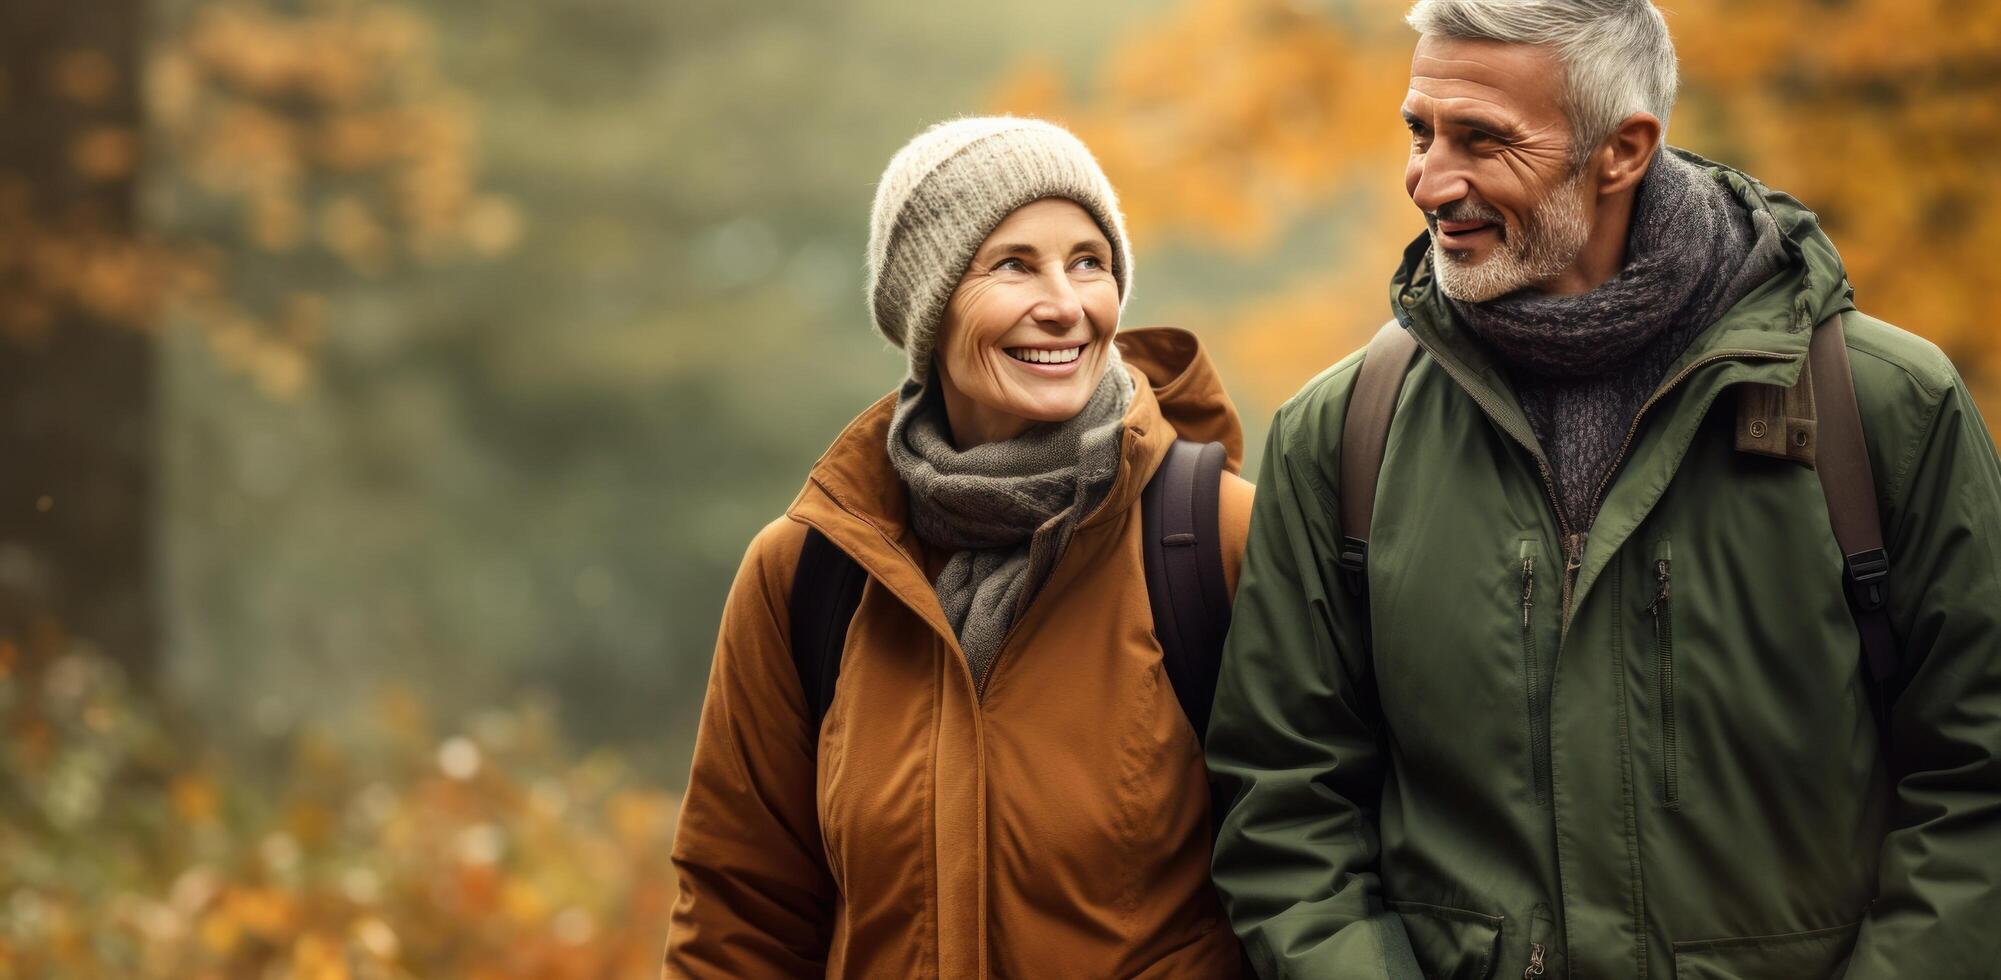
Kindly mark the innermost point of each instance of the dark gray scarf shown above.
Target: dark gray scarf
(1006, 509)
(1584, 364)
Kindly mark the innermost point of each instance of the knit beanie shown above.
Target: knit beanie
(946, 191)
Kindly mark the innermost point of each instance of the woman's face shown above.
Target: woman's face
(1027, 332)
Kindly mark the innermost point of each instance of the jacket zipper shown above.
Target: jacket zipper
(1573, 542)
(1532, 673)
(1663, 610)
(1632, 432)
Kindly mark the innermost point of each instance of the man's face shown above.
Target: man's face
(1491, 165)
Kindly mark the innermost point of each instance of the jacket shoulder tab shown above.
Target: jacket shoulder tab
(1780, 421)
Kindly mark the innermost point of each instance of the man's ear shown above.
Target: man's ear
(1623, 160)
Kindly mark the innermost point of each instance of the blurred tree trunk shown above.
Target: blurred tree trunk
(77, 436)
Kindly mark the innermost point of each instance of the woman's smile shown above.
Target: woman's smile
(1048, 362)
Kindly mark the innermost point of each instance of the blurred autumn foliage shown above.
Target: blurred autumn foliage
(322, 132)
(1228, 121)
(399, 433)
(133, 849)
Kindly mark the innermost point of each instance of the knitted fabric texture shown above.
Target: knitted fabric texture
(1005, 509)
(1583, 365)
(945, 191)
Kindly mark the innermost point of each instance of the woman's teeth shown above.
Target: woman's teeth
(1035, 356)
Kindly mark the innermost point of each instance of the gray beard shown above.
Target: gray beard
(1552, 235)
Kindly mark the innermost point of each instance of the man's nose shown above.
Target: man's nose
(1434, 179)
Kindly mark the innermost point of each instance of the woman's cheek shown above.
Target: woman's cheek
(1101, 306)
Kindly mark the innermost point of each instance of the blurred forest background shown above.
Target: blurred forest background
(388, 391)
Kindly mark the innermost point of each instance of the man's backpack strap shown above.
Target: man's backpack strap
(826, 589)
(1365, 435)
(1850, 485)
(1182, 541)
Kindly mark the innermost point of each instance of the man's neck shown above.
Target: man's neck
(1604, 252)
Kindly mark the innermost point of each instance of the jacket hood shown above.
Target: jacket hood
(854, 496)
(1778, 315)
(1186, 387)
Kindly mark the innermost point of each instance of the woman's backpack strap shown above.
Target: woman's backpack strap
(826, 589)
(1183, 547)
(1185, 582)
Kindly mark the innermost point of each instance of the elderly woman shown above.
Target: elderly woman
(1005, 780)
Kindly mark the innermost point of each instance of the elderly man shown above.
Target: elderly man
(1591, 680)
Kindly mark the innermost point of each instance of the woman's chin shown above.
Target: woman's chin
(1052, 409)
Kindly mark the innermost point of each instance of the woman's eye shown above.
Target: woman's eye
(1011, 265)
(1090, 262)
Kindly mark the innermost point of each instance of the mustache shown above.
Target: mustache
(1464, 209)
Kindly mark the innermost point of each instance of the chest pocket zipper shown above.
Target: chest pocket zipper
(1535, 681)
(1664, 679)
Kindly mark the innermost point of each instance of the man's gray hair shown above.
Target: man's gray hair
(1617, 56)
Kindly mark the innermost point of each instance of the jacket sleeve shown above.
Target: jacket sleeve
(1937, 911)
(1294, 748)
(756, 898)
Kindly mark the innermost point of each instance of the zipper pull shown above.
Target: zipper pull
(1573, 559)
(1535, 967)
(1661, 570)
(1528, 588)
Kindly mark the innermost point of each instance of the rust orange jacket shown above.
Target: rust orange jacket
(1057, 827)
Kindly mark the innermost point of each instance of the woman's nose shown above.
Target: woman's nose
(1059, 304)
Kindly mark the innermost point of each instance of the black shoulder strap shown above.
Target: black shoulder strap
(1849, 483)
(1365, 435)
(1183, 546)
(826, 588)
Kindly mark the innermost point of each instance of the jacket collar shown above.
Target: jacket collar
(1763, 340)
(1773, 319)
(1773, 324)
(854, 497)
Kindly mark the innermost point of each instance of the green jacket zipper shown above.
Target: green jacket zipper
(1532, 681)
(1633, 432)
(1573, 542)
(1663, 610)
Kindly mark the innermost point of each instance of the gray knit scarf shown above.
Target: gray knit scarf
(1584, 364)
(1005, 509)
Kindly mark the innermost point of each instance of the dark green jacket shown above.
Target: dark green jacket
(1651, 758)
